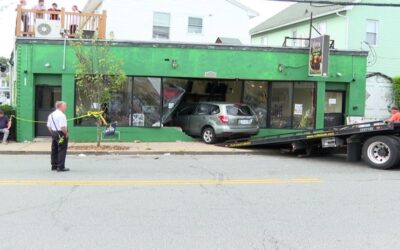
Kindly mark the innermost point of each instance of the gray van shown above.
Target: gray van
(214, 120)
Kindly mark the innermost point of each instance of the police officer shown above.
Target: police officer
(57, 125)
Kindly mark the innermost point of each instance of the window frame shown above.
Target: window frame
(161, 26)
(294, 36)
(376, 22)
(243, 81)
(195, 26)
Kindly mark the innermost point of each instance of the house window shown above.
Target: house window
(161, 25)
(372, 32)
(195, 25)
(264, 40)
(322, 28)
(294, 36)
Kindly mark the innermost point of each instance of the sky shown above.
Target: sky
(7, 16)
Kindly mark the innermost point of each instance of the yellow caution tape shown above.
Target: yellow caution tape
(95, 114)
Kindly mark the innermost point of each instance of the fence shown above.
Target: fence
(68, 24)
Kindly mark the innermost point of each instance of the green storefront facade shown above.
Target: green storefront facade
(274, 81)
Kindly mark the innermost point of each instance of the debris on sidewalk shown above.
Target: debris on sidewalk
(101, 148)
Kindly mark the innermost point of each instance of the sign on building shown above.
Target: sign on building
(319, 56)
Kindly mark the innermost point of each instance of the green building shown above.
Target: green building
(350, 27)
(163, 76)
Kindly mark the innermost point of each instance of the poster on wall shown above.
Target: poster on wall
(319, 56)
(298, 109)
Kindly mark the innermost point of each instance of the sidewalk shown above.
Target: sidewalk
(125, 148)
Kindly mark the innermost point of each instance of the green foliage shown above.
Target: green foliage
(396, 90)
(8, 110)
(99, 73)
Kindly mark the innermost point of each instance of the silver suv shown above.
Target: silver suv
(212, 120)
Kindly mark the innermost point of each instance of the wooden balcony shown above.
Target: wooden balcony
(59, 24)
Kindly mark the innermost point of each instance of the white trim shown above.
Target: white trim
(250, 12)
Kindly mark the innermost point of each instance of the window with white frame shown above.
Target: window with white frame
(264, 41)
(161, 25)
(294, 36)
(372, 32)
(195, 25)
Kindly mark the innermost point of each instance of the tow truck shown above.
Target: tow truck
(377, 143)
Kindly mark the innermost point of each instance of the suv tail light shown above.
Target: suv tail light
(224, 119)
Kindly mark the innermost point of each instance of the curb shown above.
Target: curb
(253, 152)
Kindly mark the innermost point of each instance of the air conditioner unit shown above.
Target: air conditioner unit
(48, 28)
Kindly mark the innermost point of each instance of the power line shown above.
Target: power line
(331, 2)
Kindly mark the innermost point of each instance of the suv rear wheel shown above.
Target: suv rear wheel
(208, 135)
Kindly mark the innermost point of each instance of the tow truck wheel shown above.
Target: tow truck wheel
(381, 152)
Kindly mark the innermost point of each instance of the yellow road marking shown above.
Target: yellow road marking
(155, 182)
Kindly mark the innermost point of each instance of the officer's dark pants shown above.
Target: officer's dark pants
(58, 151)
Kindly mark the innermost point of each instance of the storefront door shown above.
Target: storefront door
(334, 108)
(46, 96)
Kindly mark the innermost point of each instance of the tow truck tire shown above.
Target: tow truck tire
(381, 152)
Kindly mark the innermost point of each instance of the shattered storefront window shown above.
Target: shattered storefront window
(174, 90)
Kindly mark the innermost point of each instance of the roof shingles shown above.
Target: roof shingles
(296, 13)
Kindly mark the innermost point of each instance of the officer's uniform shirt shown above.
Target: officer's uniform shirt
(60, 120)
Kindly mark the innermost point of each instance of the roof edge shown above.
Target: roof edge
(27, 40)
(371, 74)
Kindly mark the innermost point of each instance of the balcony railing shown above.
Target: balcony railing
(57, 24)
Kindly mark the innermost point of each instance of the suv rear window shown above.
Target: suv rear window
(207, 109)
(238, 110)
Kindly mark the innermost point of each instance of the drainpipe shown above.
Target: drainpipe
(347, 28)
(65, 52)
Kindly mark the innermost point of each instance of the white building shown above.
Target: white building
(193, 21)
(5, 89)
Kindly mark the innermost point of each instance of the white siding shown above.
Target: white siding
(133, 19)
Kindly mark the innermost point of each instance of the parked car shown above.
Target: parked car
(212, 121)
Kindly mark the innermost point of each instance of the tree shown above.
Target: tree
(396, 90)
(98, 74)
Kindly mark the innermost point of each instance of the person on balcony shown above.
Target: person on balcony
(39, 9)
(54, 8)
(75, 18)
(24, 17)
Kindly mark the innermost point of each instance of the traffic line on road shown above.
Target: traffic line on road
(156, 182)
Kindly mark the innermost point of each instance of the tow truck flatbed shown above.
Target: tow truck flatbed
(384, 138)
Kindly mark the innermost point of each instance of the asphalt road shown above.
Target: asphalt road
(197, 202)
